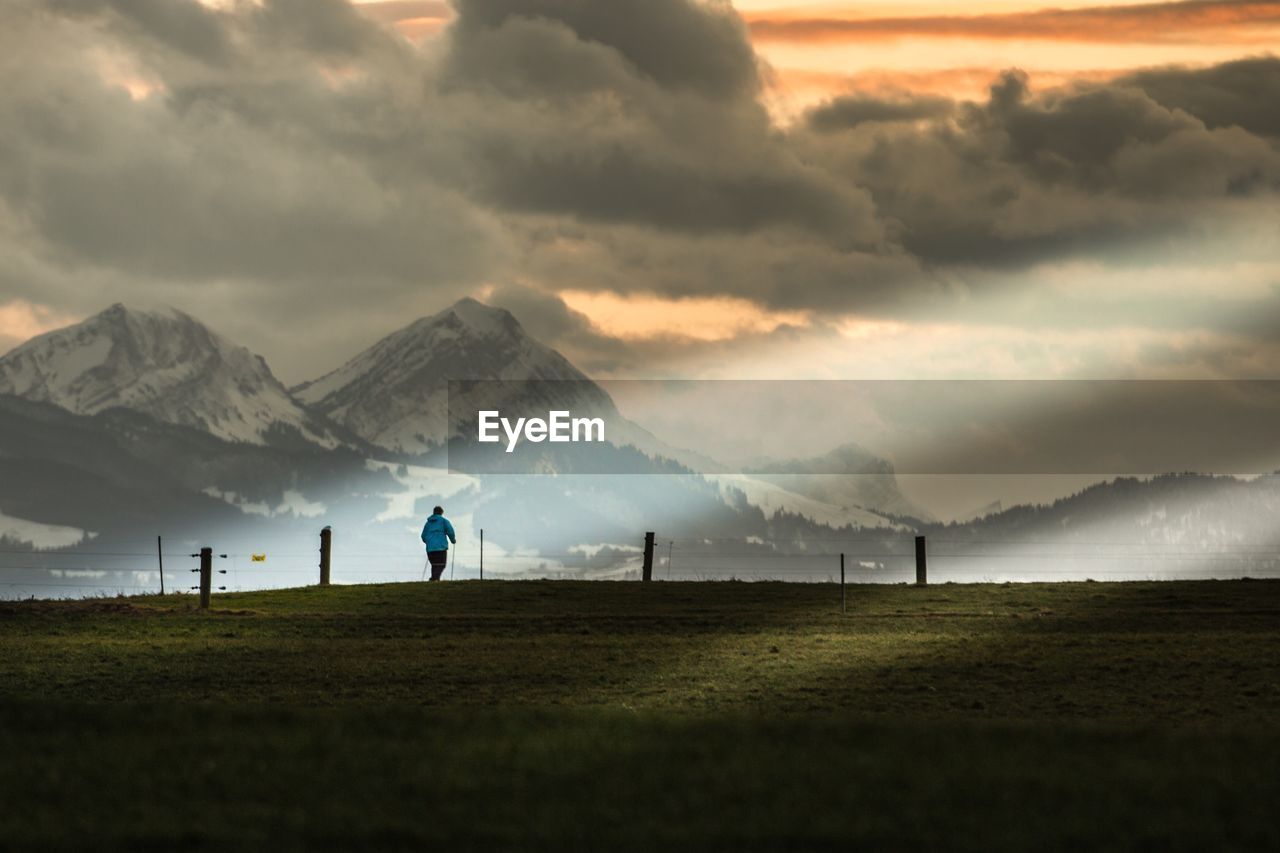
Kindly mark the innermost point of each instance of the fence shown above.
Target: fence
(135, 567)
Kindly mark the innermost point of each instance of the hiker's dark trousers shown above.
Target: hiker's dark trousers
(438, 560)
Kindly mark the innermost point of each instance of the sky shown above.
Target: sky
(660, 188)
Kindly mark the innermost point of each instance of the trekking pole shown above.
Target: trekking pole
(424, 568)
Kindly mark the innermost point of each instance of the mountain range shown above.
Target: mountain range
(164, 364)
(134, 421)
(142, 420)
(390, 400)
(395, 393)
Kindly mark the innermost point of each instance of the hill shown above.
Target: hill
(548, 715)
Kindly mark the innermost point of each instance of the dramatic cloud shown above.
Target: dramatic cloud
(1156, 22)
(846, 112)
(1234, 94)
(1021, 179)
(248, 183)
(633, 112)
(187, 28)
(676, 43)
(306, 179)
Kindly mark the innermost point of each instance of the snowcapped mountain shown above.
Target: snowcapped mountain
(395, 394)
(164, 364)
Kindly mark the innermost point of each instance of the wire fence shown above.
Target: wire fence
(127, 567)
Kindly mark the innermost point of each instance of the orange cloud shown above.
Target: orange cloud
(415, 19)
(394, 11)
(643, 317)
(1251, 21)
(951, 82)
(21, 320)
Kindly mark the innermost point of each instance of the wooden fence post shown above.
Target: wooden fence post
(922, 574)
(481, 553)
(647, 572)
(843, 600)
(326, 553)
(206, 576)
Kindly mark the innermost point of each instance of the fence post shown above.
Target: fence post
(647, 573)
(922, 574)
(481, 553)
(326, 552)
(206, 576)
(160, 558)
(843, 599)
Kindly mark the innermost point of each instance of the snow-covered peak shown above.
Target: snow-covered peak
(164, 363)
(480, 319)
(394, 394)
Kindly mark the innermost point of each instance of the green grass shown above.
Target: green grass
(560, 715)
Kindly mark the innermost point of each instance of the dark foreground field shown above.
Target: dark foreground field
(556, 715)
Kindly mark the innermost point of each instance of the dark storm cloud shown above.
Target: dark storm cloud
(1118, 138)
(185, 26)
(192, 187)
(634, 112)
(550, 320)
(775, 267)
(292, 152)
(546, 316)
(1077, 135)
(852, 110)
(326, 27)
(250, 192)
(1023, 178)
(1245, 93)
(676, 43)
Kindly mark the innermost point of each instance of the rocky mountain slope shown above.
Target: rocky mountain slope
(164, 364)
(395, 394)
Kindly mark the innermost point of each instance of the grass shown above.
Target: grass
(561, 715)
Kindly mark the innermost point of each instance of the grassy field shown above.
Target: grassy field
(560, 715)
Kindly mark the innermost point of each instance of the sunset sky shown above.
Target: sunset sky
(824, 48)
(660, 187)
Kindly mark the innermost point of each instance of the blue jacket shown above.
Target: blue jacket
(437, 533)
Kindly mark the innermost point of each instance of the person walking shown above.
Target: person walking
(437, 533)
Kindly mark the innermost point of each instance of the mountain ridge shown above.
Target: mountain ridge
(163, 363)
(394, 394)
